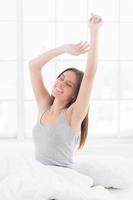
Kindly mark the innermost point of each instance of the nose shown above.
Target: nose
(60, 85)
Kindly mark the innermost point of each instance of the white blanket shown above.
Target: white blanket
(27, 179)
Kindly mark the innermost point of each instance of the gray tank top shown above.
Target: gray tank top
(55, 143)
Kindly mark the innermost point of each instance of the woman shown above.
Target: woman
(63, 115)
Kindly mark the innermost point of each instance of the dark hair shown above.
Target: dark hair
(84, 125)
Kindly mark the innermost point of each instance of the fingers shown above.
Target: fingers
(83, 45)
(95, 18)
(85, 48)
(84, 51)
(80, 42)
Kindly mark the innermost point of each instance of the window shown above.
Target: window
(29, 28)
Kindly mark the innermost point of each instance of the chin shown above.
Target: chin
(55, 94)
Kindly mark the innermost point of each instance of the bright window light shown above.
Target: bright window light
(29, 28)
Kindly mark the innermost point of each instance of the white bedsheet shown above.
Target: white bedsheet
(20, 154)
(28, 179)
(122, 194)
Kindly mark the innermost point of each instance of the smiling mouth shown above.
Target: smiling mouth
(56, 89)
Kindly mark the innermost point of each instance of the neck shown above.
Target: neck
(57, 106)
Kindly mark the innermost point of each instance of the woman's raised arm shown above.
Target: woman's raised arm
(41, 93)
(42, 59)
(81, 105)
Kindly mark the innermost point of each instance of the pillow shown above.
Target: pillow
(108, 171)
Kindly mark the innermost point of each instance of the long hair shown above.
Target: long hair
(84, 125)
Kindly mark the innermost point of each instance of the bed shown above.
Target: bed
(122, 194)
(21, 155)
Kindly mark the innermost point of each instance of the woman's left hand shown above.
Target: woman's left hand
(95, 22)
(76, 49)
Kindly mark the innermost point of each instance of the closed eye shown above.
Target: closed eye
(61, 78)
(69, 85)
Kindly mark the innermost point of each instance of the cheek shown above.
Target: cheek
(67, 91)
(70, 91)
(55, 83)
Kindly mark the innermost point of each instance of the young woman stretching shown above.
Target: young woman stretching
(63, 115)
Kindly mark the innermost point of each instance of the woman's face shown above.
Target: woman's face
(64, 87)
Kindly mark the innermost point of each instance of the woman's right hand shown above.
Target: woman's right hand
(76, 49)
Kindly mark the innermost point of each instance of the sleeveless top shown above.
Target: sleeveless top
(55, 143)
